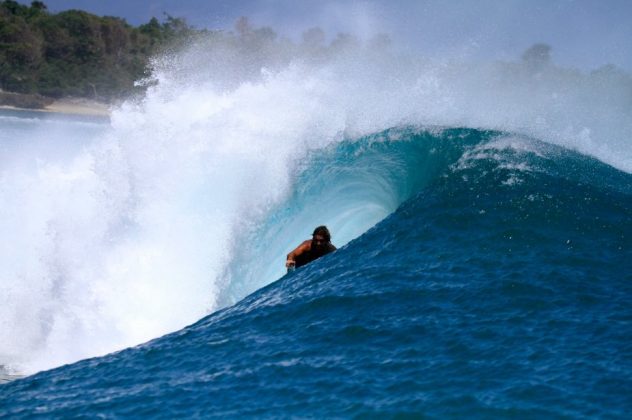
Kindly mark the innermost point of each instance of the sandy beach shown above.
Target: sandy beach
(68, 106)
(79, 107)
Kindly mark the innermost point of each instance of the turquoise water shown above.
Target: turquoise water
(497, 285)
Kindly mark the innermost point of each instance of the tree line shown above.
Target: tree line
(75, 53)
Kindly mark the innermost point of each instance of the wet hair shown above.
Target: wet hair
(322, 231)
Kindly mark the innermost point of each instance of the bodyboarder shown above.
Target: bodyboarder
(310, 250)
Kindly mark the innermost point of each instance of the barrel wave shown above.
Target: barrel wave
(481, 210)
(486, 274)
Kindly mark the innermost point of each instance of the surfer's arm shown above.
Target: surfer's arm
(291, 257)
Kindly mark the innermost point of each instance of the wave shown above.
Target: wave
(350, 186)
(192, 196)
(498, 286)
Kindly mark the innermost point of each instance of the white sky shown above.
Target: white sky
(583, 33)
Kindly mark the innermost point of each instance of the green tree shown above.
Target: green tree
(78, 53)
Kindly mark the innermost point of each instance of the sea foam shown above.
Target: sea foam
(117, 235)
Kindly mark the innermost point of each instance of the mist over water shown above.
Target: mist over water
(118, 234)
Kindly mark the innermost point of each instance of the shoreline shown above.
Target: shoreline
(35, 105)
(67, 106)
(79, 107)
(76, 109)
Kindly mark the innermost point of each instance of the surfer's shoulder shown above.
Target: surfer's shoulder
(303, 247)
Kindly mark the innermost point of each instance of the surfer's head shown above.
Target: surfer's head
(322, 231)
(321, 237)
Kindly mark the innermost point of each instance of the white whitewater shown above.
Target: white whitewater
(113, 235)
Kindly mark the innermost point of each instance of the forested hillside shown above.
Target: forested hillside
(75, 53)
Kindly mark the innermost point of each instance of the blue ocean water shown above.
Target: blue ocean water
(498, 285)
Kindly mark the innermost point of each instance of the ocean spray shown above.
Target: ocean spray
(116, 235)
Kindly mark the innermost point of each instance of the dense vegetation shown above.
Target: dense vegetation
(75, 53)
